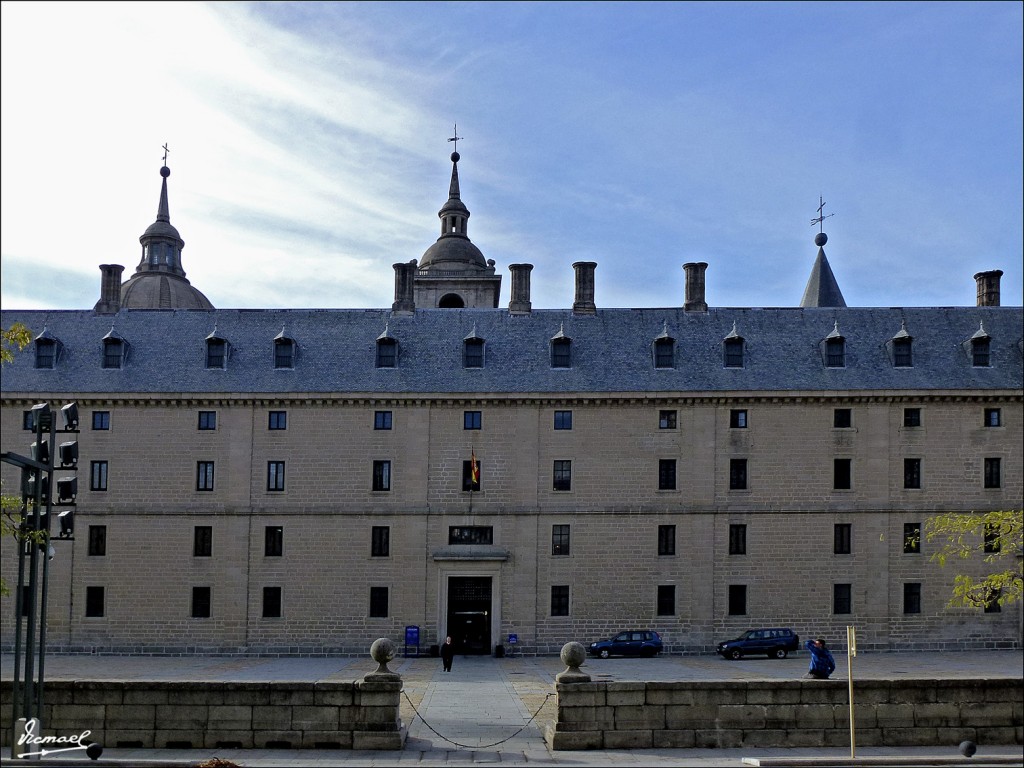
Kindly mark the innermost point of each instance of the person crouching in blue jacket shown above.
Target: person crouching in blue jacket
(822, 663)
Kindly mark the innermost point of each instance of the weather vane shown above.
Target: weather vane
(821, 216)
(456, 137)
(166, 150)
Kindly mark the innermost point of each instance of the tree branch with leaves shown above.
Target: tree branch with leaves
(12, 340)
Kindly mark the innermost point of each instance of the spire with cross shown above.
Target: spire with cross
(456, 138)
(166, 150)
(821, 217)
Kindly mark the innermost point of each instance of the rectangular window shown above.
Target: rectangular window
(912, 597)
(562, 475)
(100, 420)
(993, 473)
(97, 540)
(841, 474)
(737, 599)
(992, 601)
(382, 420)
(911, 417)
(98, 476)
(737, 474)
(216, 353)
(380, 541)
(200, 602)
(842, 418)
(664, 353)
(563, 419)
(471, 420)
(842, 600)
(980, 352)
(737, 539)
(381, 475)
(284, 353)
(561, 353)
(666, 600)
(991, 544)
(378, 602)
(911, 473)
(202, 541)
(666, 539)
(666, 474)
(387, 353)
(271, 602)
(46, 354)
(835, 353)
(28, 421)
(473, 353)
(94, 602)
(993, 417)
(734, 353)
(204, 475)
(207, 420)
(911, 538)
(843, 539)
(275, 475)
(559, 539)
(666, 419)
(273, 541)
(902, 353)
(471, 534)
(738, 418)
(277, 420)
(469, 482)
(560, 600)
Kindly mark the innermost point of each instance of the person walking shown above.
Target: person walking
(822, 663)
(447, 654)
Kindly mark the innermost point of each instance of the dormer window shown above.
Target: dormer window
(561, 352)
(981, 347)
(835, 352)
(387, 353)
(902, 352)
(734, 352)
(216, 352)
(664, 352)
(284, 352)
(113, 353)
(46, 353)
(473, 353)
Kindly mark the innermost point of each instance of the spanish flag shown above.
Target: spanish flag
(474, 468)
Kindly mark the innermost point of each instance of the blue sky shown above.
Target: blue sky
(309, 146)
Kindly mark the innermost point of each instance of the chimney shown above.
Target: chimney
(110, 290)
(405, 274)
(695, 287)
(584, 303)
(519, 304)
(988, 287)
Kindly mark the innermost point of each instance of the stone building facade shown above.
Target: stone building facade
(305, 481)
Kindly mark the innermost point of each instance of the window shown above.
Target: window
(563, 419)
(842, 418)
(271, 602)
(992, 601)
(734, 353)
(382, 420)
(666, 420)
(666, 539)
(993, 477)
(902, 353)
(993, 417)
(841, 474)
(562, 471)
(204, 475)
(97, 476)
(991, 534)
(559, 539)
(216, 353)
(113, 353)
(100, 420)
(471, 534)
(666, 600)
(737, 474)
(473, 353)
(381, 475)
(378, 602)
(200, 602)
(207, 420)
(911, 473)
(202, 541)
(28, 421)
(835, 353)
(561, 353)
(560, 600)
(911, 538)
(380, 541)
(664, 353)
(738, 418)
(46, 354)
(94, 602)
(471, 420)
(273, 541)
(737, 599)
(911, 417)
(97, 540)
(666, 474)
(737, 539)
(275, 475)
(277, 420)
(387, 353)
(912, 597)
(842, 600)
(980, 349)
(284, 353)
(842, 539)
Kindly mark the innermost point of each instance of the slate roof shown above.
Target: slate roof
(612, 350)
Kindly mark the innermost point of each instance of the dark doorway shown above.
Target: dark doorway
(469, 613)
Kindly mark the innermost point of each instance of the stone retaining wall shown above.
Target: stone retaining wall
(797, 713)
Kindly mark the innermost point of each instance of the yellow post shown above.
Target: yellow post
(851, 651)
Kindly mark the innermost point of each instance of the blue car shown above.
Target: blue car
(632, 643)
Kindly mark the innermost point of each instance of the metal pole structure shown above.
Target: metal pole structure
(19, 608)
(44, 547)
(851, 652)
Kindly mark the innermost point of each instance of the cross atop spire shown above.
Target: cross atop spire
(456, 138)
(821, 217)
(166, 150)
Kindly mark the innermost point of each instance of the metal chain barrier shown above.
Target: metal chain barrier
(477, 746)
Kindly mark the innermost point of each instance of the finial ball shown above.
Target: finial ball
(165, 171)
(820, 239)
(456, 157)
